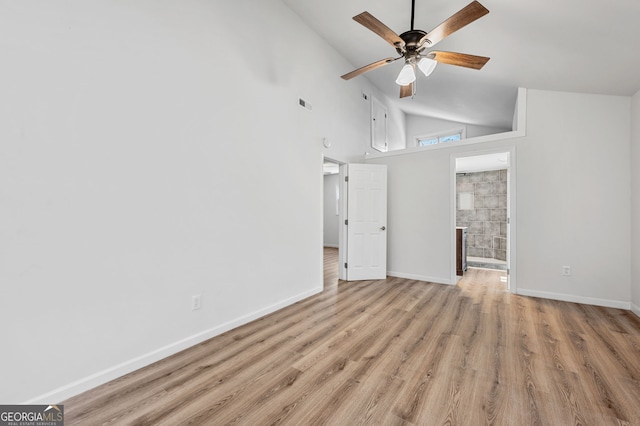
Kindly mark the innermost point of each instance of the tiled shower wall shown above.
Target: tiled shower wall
(487, 220)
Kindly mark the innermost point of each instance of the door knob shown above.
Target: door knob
(383, 228)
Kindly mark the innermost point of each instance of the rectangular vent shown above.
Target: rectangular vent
(304, 104)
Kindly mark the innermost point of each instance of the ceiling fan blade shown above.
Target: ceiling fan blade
(406, 91)
(369, 67)
(459, 59)
(465, 16)
(371, 22)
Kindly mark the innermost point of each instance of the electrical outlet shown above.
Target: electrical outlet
(196, 302)
(566, 271)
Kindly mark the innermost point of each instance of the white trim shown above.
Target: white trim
(434, 280)
(635, 309)
(67, 391)
(342, 216)
(453, 212)
(470, 141)
(332, 245)
(575, 299)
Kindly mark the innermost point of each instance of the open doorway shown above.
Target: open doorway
(361, 219)
(484, 210)
(331, 220)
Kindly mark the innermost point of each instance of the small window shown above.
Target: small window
(425, 142)
(452, 136)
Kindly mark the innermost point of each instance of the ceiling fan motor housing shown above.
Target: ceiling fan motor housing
(412, 45)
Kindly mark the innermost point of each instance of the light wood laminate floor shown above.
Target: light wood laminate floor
(394, 352)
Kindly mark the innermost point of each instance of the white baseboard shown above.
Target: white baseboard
(67, 391)
(435, 280)
(331, 245)
(575, 299)
(635, 309)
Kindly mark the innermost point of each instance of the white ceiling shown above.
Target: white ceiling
(586, 46)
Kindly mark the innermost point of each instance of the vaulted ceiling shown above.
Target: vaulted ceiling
(588, 46)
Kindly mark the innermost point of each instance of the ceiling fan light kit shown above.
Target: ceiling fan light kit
(427, 65)
(407, 75)
(411, 45)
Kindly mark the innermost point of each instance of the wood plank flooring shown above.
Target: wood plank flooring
(394, 352)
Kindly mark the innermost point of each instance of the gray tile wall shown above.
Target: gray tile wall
(487, 221)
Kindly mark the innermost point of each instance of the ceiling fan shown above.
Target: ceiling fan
(411, 46)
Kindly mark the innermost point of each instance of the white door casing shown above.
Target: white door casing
(366, 228)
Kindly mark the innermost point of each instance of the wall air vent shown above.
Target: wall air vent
(304, 104)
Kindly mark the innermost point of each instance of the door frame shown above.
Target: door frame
(511, 211)
(342, 215)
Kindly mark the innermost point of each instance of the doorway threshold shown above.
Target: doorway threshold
(487, 263)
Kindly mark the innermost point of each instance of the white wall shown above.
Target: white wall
(573, 196)
(331, 227)
(396, 126)
(573, 208)
(342, 144)
(138, 168)
(635, 203)
(353, 144)
(417, 125)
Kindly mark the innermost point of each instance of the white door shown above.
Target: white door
(366, 226)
